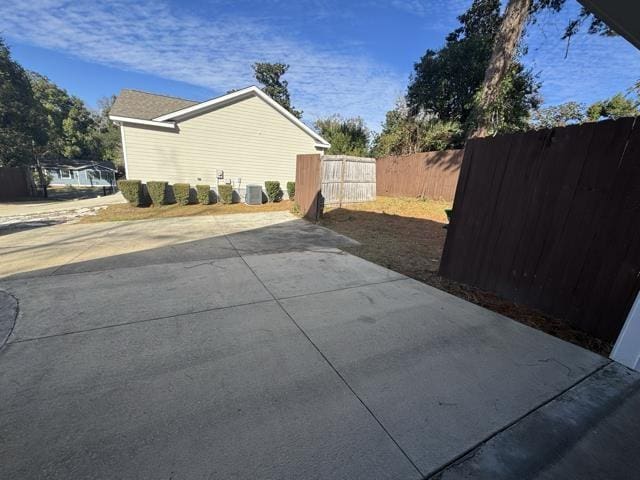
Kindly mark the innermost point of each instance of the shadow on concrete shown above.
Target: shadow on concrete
(413, 247)
(27, 225)
(288, 236)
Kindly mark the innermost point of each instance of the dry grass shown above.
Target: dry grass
(122, 212)
(407, 235)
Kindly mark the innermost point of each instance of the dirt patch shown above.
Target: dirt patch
(124, 212)
(407, 235)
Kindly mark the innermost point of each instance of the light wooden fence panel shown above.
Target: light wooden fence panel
(347, 179)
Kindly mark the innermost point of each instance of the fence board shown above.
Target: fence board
(431, 175)
(553, 221)
(308, 185)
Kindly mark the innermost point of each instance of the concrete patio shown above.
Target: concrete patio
(251, 346)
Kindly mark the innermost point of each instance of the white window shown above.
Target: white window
(65, 173)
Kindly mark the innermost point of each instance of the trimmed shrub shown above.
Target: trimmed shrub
(225, 193)
(182, 193)
(157, 192)
(132, 191)
(291, 190)
(203, 192)
(274, 192)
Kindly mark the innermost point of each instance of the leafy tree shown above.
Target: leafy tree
(558, 115)
(20, 118)
(69, 124)
(615, 107)
(270, 76)
(106, 134)
(403, 133)
(40, 120)
(77, 132)
(347, 136)
(504, 53)
(55, 104)
(445, 82)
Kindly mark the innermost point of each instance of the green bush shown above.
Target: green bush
(157, 192)
(182, 193)
(291, 190)
(274, 192)
(225, 193)
(203, 192)
(132, 191)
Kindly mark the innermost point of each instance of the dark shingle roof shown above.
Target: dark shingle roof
(146, 106)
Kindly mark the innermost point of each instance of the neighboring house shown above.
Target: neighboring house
(80, 173)
(241, 138)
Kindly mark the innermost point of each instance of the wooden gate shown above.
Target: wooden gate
(347, 179)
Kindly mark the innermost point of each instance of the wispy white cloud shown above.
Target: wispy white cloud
(200, 46)
(151, 37)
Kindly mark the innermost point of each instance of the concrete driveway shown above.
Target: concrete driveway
(41, 212)
(251, 346)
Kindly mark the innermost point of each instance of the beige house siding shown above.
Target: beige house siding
(248, 140)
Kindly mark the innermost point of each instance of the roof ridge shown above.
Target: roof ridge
(161, 95)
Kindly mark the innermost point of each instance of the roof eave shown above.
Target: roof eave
(621, 16)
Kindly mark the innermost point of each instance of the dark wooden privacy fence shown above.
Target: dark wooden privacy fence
(431, 175)
(14, 183)
(551, 219)
(308, 185)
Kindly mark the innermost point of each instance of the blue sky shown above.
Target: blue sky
(349, 57)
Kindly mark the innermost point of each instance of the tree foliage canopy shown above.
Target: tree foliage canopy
(40, 120)
(270, 76)
(615, 107)
(442, 91)
(347, 136)
(446, 81)
(20, 114)
(69, 124)
(558, 115)
(403, 134)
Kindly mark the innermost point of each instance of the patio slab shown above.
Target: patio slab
(236, 393)
(294, 360)
(299, 273)
(255, 234)
(591, 431)
(441, 374)
(60, 304)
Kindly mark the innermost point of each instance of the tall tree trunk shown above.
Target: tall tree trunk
(504, 49)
